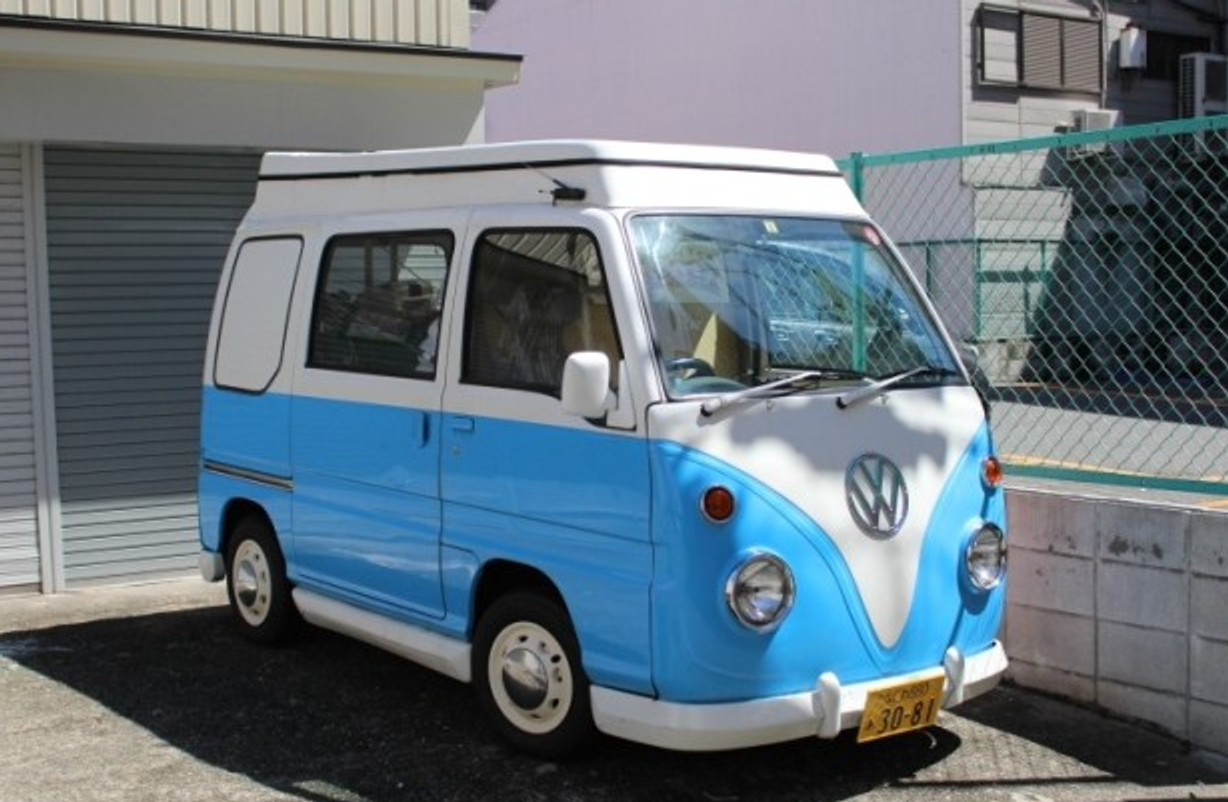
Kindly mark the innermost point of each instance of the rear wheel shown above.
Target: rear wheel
(528, 676)
(256, 583)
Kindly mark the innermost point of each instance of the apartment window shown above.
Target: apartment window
(1164, 52)
(1039, 51)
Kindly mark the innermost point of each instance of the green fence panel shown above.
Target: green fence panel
(1090, 272)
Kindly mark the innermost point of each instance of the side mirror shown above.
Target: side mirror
(586, 385)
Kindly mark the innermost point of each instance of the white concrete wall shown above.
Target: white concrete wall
(64, 84)
(1123, 605)
(222, 112)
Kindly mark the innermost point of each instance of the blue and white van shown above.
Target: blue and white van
(663, 442)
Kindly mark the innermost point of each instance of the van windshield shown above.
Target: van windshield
(741, 301)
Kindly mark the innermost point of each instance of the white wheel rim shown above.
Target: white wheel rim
(253, 586)
(530, 677)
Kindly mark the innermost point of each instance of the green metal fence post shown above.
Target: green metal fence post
(857, 166)
(978, 280)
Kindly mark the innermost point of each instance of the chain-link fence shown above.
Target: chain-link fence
(1090, 273)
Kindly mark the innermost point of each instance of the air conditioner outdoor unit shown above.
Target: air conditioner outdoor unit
(1084, 120)
(1202, 91)
(1202, 85)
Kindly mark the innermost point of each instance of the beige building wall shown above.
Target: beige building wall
(436, 23)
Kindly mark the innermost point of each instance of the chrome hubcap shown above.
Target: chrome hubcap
(251, 582)
(530, 677)
(525, 679)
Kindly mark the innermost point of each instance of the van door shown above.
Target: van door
(525, 482)
(365, 437)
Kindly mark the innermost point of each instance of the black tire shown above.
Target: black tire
(528, 677)
(257, 586)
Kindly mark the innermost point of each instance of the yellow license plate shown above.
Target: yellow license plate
(901, 708)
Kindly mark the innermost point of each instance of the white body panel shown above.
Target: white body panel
(824, 712)
(612, 174)
(808, 469)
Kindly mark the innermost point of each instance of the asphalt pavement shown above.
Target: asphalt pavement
(149, 693)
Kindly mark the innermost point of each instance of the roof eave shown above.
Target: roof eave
(55, 44)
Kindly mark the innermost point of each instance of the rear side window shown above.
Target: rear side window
(256, 308)
(535, 297)
(378, 302)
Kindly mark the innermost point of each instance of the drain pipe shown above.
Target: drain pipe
(1100, 9)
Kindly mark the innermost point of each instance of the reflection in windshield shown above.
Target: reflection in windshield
(739, 301)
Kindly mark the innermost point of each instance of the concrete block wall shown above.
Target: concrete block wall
(1123, 605)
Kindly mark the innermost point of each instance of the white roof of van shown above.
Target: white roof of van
(590, 173)
(287, 165)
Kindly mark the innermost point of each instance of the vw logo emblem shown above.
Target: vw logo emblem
(877, 496)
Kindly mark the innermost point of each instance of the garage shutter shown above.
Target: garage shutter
(135, 241)
(18, 503)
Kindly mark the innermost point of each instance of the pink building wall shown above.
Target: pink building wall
(830, 76)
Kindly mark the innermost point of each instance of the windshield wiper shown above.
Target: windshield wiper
(854, 397)
(786, 386)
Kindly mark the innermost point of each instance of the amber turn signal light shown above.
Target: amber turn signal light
(717, 504)
(991, 472)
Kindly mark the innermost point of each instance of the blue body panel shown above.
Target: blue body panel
(585, 479)
(246, 430)
(216, 492)
(573, 503)
(366, 503)
(398, 510)
(700, 652)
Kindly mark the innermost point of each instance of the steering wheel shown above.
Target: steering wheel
(693, 364)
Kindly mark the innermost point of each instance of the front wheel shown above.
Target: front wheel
(256, 583)
(528, 676)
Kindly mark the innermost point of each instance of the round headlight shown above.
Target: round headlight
(986, 557)
(760, 592)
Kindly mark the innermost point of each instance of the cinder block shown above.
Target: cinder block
(1209, 608)
(1052, 640)
(1149, 658)
(1044, 522)
(1209, 544)
(1052, 582)
(1209, 726)
(1166, 710)
(1209, 670)
(1145, 597)
(1078, 687)
(1142, 535)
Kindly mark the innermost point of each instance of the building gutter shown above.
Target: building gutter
(59, 44)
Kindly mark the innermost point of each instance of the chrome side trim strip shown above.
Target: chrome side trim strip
(248, 475)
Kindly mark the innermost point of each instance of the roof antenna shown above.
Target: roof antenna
(561, 191)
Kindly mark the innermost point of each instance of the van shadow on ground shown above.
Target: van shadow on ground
(330, 712)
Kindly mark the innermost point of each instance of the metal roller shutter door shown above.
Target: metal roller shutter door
(18, 501)
(135, 241)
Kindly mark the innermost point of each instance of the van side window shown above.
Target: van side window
(252, 328)
(378, 302)
(535, 297)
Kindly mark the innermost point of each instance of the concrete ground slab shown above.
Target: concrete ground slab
(149, 693)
